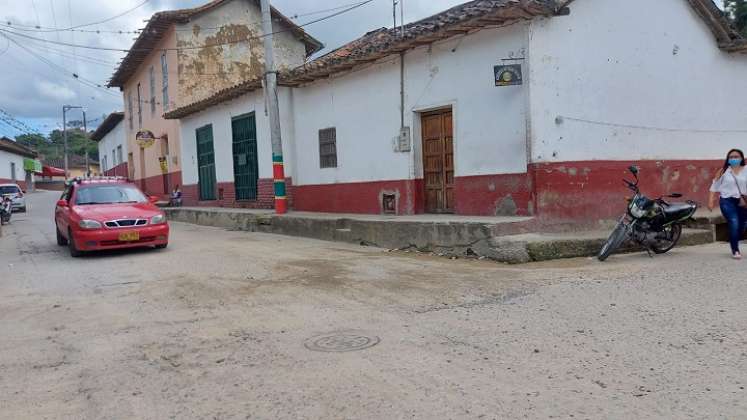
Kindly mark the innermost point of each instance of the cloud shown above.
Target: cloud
(54, 84)
(55, 91)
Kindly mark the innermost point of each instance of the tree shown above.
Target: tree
(736, 12)
(53, 147)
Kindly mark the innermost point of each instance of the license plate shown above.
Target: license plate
(129, 236)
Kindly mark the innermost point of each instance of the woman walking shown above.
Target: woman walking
(731, 184)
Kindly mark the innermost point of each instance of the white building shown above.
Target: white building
(513, 107)
(17, 164)
(110, 136)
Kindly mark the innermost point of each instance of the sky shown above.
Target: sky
(34, 85)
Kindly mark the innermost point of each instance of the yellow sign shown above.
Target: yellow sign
(164, 164)
(145, 138)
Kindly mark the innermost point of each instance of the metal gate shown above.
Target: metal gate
(206, 162)
(245, 165)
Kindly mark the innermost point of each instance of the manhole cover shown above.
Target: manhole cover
(341, 342)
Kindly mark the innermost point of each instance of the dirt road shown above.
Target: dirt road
(227, 325)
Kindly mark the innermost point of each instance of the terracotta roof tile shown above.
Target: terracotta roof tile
(463, 18)
(160, 23)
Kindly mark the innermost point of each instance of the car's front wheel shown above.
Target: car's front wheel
(74, 252)
(162, 246)
(61, 241)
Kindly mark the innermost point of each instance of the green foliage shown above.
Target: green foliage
(52, 147)
(736, 11)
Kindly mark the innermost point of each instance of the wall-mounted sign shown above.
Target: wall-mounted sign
(508, 75)
(32, 165)
(145, 138)
(164, 164)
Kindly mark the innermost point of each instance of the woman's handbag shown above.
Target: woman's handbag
(742, 197)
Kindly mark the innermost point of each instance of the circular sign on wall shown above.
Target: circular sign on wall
(145, 138)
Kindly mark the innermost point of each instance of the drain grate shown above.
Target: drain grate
(341, 342)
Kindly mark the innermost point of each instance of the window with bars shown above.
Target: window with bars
(129, 110)
(328, 148)
(165, 82)
(152, 91)
(139, 108)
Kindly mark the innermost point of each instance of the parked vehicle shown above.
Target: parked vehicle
(655, 225)
(16, 196)
(108, 213)
(6, 209)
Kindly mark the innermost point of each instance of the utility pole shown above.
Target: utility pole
(66, 108)
(85, 143)
(64, 138)
(271, 95)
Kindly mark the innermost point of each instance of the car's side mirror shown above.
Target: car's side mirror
(153, 199)
(61, 203)
(23, 191)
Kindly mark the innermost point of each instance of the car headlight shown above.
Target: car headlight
(89, 224)
(158, 219)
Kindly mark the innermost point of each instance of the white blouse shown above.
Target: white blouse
(727, 184)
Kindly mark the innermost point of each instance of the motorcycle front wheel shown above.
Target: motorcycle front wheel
(672, 234)
(617, 237)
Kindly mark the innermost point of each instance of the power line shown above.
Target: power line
(39, 28)
(55, 66)
(357, 5)
(560, 119)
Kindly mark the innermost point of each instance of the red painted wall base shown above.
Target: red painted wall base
(119, 170)
(21, 184)
(577, 192)
(226, 196)
(154, 185)
(593, 190)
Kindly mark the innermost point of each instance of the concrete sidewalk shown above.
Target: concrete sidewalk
(511, 240)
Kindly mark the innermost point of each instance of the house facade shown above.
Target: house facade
(182, 56)
(17, 164)
(111, 139)
(508, 108)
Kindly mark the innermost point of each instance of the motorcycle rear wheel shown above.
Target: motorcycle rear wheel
(662, 247)
(617, 237)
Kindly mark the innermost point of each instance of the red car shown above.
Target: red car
(108, 213)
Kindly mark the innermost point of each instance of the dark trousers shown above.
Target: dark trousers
(736, 218)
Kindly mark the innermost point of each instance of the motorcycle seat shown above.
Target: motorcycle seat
(676, 208)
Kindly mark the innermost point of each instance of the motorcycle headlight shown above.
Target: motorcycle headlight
(89, 224)
(158, 219)
(636, 211)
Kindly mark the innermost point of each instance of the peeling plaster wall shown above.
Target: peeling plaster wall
(204, 71)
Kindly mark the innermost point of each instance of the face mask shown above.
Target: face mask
(735, 162)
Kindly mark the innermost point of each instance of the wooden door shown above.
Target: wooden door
(245, 162)
(206, 163)
(438, 161)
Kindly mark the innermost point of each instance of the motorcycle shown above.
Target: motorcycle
(655, 225)
(6, 209)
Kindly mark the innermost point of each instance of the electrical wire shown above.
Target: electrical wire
(55, 66)
(357, 5)
(40, 28)
(645, 127)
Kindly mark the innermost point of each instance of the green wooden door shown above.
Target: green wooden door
(206, 162)
(245, 165)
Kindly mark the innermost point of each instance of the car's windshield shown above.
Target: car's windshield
(8, 189)
(108, 194)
